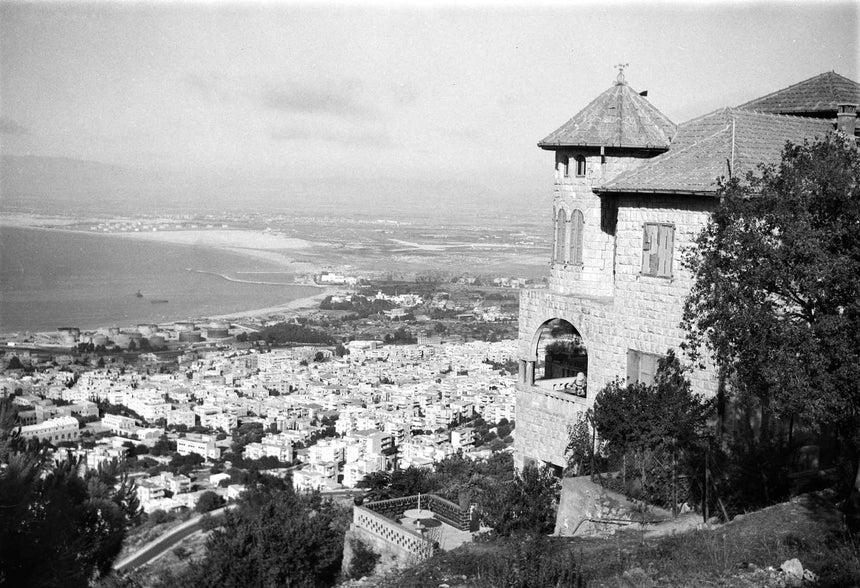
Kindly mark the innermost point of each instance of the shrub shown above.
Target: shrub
(527, 503)
(364, 559)
(208, 501)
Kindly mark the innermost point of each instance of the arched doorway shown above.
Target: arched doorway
(560, 353)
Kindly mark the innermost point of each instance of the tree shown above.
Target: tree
(208, 501)
(640, 422)
(528, 503)
(275, 537)
(52, 512)
(776, 298)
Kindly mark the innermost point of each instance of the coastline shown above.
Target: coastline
(299, 307)
(244, 242)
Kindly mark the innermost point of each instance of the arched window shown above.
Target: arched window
(560, 246)
(562, 164)
(580, 166)
(560, 353)
(576, 225)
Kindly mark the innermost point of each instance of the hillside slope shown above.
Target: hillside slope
(735, 554)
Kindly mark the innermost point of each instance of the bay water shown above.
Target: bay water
(52, 278)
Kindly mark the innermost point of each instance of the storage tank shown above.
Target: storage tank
(147, 329)
(217, 331)
(99, 339)
(121, 340)
(157, 341)
(184, 326)
(190, 336)
(69, 335)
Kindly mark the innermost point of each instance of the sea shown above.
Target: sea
(51, 279)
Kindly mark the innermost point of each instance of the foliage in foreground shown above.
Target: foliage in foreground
(58, 527)
(528, 503)
(275, 538)
(653, 428)
(776, 299)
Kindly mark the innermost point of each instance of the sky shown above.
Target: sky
(358, 96)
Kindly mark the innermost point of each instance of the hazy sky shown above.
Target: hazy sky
(375, 92)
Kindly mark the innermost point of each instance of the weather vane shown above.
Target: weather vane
(620, 78)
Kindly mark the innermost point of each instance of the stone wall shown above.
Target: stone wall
(625, 310)
(594, 276)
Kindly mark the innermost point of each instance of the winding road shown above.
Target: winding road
(156, 548)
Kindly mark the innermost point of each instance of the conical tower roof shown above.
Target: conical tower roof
(619, 117)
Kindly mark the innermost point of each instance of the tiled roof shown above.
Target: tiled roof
(619, 117)
(704, 148)
(823, 94)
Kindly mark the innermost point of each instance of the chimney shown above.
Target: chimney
(846, 119)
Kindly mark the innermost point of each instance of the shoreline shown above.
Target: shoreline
(244, 242)
(297, 307)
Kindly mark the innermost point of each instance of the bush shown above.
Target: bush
(158, 517)
(650, 429)
(363, 561)
(528, 561)
(208, 501)
(527, 503)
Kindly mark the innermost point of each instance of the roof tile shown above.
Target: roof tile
(820, 94)
(619, 117)
(707, 147)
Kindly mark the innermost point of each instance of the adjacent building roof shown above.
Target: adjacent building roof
(619, 117)
(820, 95)
(726, 142)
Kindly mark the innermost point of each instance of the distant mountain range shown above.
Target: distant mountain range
(61, 185)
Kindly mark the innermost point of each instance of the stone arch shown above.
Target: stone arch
(559, 351)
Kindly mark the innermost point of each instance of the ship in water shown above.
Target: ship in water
(139, 295)
(158, 301)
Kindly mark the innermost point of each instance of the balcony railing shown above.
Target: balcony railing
(561, 385)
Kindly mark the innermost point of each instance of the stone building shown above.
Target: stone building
(632, 192)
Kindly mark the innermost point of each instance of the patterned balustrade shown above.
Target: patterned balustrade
(392, 532)
(445, 510)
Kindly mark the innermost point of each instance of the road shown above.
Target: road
(156, 548)
(172, 538)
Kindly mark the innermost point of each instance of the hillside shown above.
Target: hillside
(735, 554)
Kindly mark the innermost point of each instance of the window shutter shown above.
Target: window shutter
(647, 368)
(567, 238)
(649, 245)
(666, 241)
(632, 365)
(560, 230)
(576, 239)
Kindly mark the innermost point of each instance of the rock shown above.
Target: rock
(639, 578)
(793, 570)
(810, 576)
(739, 517)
